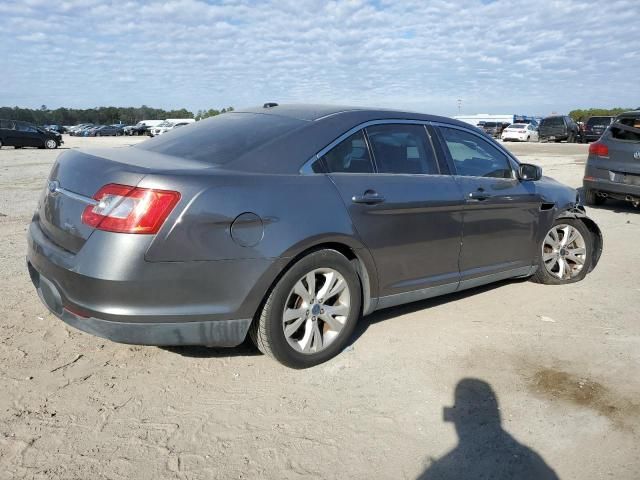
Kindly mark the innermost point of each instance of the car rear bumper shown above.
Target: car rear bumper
(610, 183)
(149, 303)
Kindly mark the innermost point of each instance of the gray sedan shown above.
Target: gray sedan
(289, 223)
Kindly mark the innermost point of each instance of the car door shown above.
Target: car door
(501, 213)
(406, 210)
(7, 134)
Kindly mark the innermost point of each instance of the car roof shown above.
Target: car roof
(319, 125)
(318, 112)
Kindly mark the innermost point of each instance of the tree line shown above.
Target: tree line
(100, 115)
(581, 115)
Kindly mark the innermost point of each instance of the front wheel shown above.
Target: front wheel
(311, 312)
(566, 253)
(50, 144)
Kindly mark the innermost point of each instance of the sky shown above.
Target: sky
(496, 56)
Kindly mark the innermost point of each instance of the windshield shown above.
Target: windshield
(220, 139)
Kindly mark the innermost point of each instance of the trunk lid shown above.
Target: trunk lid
(78, 175)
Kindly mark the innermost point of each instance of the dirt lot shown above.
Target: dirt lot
(563, 363)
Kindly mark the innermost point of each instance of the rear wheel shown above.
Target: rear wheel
(593, 198)
(310, 314)
(566, 253)
(50, 144)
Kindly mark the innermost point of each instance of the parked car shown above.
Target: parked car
(521, 132)
(76, 130)
(613, 166)
(105, 131)
(169, 125)
(557, 128)
(56, 128)
(289, 223)
(493, 129)
(14, 133)
(594, 127)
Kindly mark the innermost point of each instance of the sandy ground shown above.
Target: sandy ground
(563, 363)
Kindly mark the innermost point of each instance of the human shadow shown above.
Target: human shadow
(484, 450)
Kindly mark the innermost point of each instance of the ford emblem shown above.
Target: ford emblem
(53, 185)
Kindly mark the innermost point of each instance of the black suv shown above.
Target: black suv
(613, 165)
(595, 127)
(493, 129)
(19, 134)
(557, 128)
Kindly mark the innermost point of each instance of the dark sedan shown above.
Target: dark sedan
(19, 134)
(105, 131)
(289, 223)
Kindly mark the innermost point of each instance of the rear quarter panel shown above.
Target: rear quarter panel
(296, 212)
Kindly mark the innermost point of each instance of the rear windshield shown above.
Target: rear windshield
(491, 124)
(600, 121)
(552, 122)
(626, 128)
(222, 138)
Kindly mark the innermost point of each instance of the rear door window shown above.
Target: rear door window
(475, 157)
(626, 128)
(403, 149)
(349, 156)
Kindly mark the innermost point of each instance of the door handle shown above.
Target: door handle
(478, 196)
(369, 197)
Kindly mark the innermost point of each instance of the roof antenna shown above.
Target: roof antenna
(270, 105)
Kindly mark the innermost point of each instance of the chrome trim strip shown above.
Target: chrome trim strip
(75, 196)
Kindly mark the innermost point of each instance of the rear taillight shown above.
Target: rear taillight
(126, 209)
(599, 149)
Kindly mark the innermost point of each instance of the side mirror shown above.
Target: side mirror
(529, 172)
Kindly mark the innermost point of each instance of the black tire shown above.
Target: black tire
(528, 138)
(592, 198)
(543, 276)
(267, 330)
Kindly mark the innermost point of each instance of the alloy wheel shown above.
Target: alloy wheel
(316, 310)
(564, 252)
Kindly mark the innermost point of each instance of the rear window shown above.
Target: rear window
(600, 121)
(222, 138)
(552, 122)
(490, 124)
(626, 128)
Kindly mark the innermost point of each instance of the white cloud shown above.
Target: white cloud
(408, 54)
